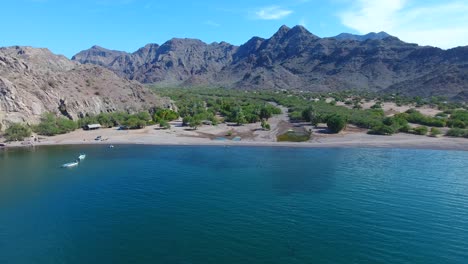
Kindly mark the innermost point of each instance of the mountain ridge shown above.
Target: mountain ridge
(294, 58)
(371, 35)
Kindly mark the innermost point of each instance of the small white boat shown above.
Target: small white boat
(111, 146)
(70, 164)
(81, 157)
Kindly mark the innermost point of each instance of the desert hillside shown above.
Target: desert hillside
(34, 81)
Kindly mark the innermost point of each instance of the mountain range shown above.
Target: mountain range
(34, 80)
(294, 58)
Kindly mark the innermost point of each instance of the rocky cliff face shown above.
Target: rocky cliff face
(293, 58)
(34, 81)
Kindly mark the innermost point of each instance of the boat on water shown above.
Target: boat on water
(70, 164)
(81, 157)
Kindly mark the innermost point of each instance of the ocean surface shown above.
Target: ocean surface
(171, 204)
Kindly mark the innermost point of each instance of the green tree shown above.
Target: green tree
(119, 118)
(65, 125)
(105, 120)
(238, 116)
(51, 125)
(195, 122)
(336, 123)
(145, 116)
(308, 114)
(47, 126)
(132, 123)
(17, 132)
(166, 114)
(186, 120)
(265, 112)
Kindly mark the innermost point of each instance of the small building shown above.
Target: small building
(92, 127)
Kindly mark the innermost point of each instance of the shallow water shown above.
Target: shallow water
(168, 204)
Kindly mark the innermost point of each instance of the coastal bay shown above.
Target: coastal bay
(200, 204)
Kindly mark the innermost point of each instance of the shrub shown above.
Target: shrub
(382, 130)
(293, 137)
(214, 120)
(336, 123)
(416, 117)
(435, 132)
(357, 106)
(17, 132)
(265, 125)
(164, 124)
(295, 116)
(456, 123)
(377, 105)
(405, 128)
(420, 130)
(457, 132)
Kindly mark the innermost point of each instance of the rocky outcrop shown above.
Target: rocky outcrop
(34, 81)
(294, 58)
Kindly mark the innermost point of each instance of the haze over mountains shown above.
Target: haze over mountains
(294, 58)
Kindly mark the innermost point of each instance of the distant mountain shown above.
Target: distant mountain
(346, 36)
(34, 81)
(294, 58)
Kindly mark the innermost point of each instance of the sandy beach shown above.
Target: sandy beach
(249, 135)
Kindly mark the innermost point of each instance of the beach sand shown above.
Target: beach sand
(250, 134)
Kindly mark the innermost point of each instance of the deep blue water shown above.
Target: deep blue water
(166, 204)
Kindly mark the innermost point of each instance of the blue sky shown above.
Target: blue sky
(66, 27)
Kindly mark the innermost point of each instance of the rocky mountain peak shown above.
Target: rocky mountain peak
(300, 30)
(294, 58)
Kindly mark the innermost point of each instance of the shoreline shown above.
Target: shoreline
(453, 145)
(250, 135)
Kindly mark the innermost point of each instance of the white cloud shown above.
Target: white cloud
(442, 25)
(272, 13)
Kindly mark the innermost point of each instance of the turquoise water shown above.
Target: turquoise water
(158, 204)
